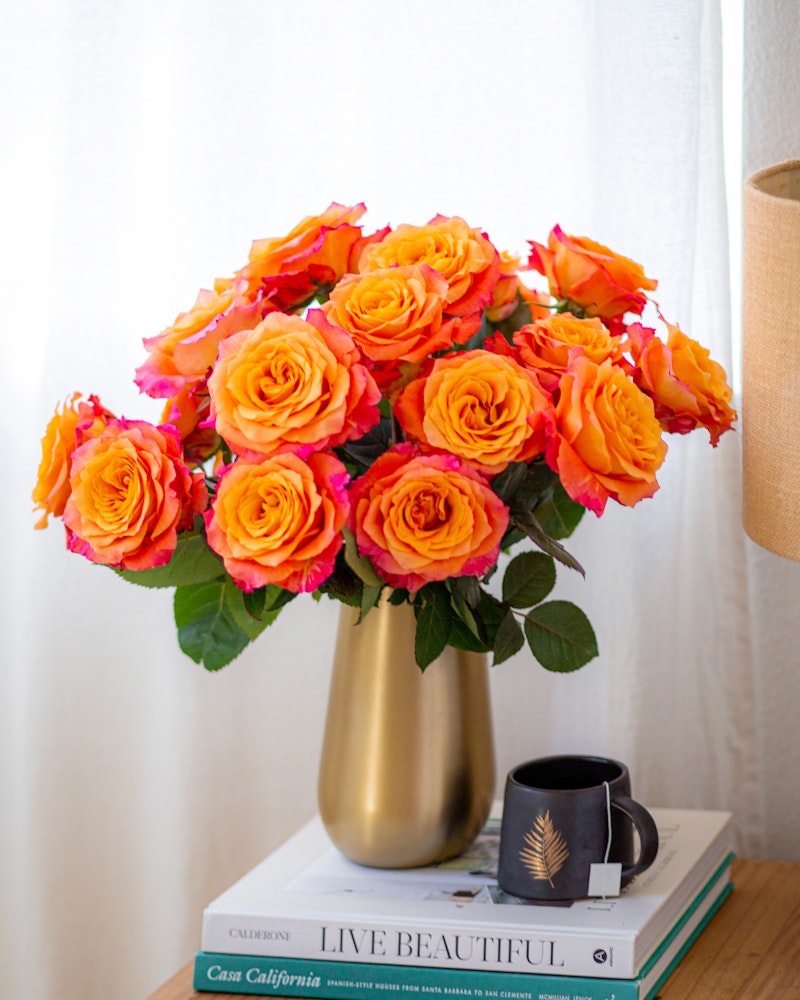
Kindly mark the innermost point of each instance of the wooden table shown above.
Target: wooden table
(749, 951)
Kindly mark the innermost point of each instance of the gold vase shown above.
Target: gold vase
(407, 774)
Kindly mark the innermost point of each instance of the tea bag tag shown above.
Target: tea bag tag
(605, 879)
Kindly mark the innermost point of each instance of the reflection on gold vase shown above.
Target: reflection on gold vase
(407, 775)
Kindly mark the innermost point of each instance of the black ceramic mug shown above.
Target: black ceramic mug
(555, 825)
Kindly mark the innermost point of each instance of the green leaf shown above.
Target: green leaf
(509, 638)
(360, 565)
(369, 598)
(266, 600)
(510, 539)
(510, 479)
(252, 627)
(434, 614)
(191, 562)
(343, 584)
(255, 601)
(528, 579)
(560, 636)
(277, 597)
(464, 612)
(371, 445)
(207, 629)
(466, 589)
(526, 522)
(488, 614)
(541, 479)
(463, 638)
(465, 596)
(560, 515)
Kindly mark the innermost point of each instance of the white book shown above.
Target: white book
(267, 976)
(306, 900)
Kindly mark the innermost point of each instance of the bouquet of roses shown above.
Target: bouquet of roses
(359, 415)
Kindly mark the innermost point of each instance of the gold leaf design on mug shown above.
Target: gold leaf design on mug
(546, 849)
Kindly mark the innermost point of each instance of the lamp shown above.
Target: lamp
(771, 359)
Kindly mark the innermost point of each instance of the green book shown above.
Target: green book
(342, 980)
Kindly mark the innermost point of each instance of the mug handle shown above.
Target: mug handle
(648, 834)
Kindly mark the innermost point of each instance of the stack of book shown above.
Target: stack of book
(306, 922)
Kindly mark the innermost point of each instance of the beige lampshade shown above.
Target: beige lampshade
(771, 359)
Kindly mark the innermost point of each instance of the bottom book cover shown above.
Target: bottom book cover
(334, 980)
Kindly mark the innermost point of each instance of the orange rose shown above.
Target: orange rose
(289, 385)
(392, 314)
(319, 246)
(484, 408)
(71, 425)
(183, 354)
(280, 521)
(545, 345)
(130, 496)
(421, 518)
(604, 283)
(283, 274)
(608, 441)
(689, 388)
(465, 257)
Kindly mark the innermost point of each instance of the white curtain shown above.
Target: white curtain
(144, 145)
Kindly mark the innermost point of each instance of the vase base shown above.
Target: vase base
(378, 842)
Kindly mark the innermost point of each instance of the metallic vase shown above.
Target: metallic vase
(407, 775)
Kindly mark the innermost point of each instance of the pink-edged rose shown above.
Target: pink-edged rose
(131, 493)
(282, 274)
(279, 521)
(393, 314)
(421, 518)
(317, 251)
(465, 257)
(479, 405)
(688, 387)
(546, 344)
(74, 421)
(608, 442)
(182, 355)
(291, 385)
(604, 283)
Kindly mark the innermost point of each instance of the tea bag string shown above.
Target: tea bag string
(608, 815)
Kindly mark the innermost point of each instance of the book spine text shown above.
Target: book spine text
(435, 947)
(262, 976)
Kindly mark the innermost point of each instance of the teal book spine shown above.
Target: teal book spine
(352, 980)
